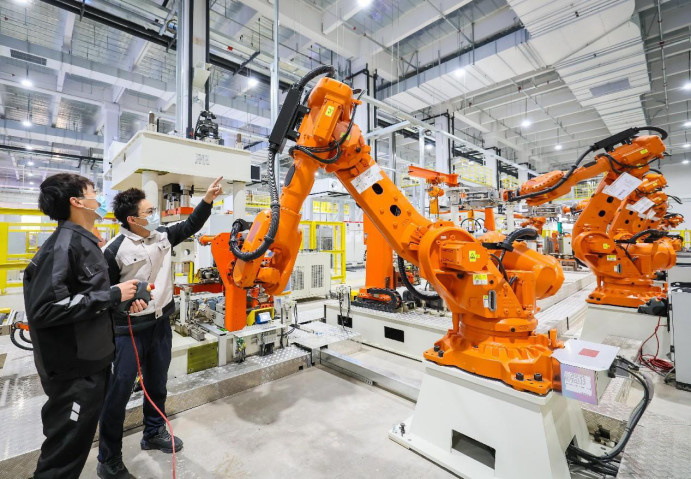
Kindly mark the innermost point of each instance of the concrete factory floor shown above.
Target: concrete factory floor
(312, 424)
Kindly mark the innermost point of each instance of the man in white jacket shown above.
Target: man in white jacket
(142, 251)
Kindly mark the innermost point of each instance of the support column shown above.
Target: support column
(361, 81)
(443, 158)
(239, 197)
(422, 189)
(392, 147)
(192, 45)
(111, 133)
(150, 188)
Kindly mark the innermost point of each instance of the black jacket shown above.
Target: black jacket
(131, 256)
(68, 296)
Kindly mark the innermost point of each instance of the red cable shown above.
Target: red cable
(659, 365)
(141, 381)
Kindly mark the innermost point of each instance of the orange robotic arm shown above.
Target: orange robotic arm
(491, 287)
(623, 265)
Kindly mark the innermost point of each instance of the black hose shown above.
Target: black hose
(521, 233)
(24, 338)
(410, 287)
(636, 415)
(558, 183)
(329, 70)
(270, 236)
(640, 234)
(17, 343)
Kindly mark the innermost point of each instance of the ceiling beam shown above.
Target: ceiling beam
(68, 19)
(411, 21)
(307, 20)
(338, 13)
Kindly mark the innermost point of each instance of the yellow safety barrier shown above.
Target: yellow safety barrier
(312, 240)
(507, 182)
(18, 261)
(474, 172)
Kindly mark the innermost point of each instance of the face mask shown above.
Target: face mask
(101, 211)
(153, 222)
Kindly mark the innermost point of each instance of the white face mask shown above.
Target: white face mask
(102, 210)
(153, 222)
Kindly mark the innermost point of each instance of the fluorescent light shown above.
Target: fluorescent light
(428, 146)
(252, 82)
(557, 147)
(30, 163)
(364, 3)
(686, 145)
(687, 85)
(687, 124)
(686, 162)
(27, 83)
(459, 72)
(29, 147)
(26, 123)
(526, 123)
(31, 182)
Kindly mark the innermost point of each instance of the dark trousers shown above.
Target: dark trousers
(69, 419)
(154, 347)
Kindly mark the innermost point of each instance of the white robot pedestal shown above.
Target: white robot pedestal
(481, 428)
(602, 320)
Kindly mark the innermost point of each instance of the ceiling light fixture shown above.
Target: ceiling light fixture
(364, 3)
(687, 85)
(526, 123)
(30, 163)
(26, 123)
(686, 145)
(687, 124)
(27, 83)
(686, 162)
(557, 147)
(428, 146)
(252, 82)
(29, 147)
(29, 174)
(459, 72)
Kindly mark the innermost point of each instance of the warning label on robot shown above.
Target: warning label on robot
(479, 279)
(611, 257)
(641, 206)
(367, 178)
(622, 186)
(485, 301)
(473, 256)
(577, 383)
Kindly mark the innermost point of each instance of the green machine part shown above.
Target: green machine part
(204, 356)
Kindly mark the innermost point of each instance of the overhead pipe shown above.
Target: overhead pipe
(136, 30)
(662, 55)
(427, 126)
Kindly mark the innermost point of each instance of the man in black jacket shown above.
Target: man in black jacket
(142, 251)
(68, 296)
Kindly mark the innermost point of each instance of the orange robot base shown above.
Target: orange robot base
(500, 357)
(628, 293)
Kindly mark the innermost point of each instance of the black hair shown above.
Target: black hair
(56, 191)
(126, 203)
